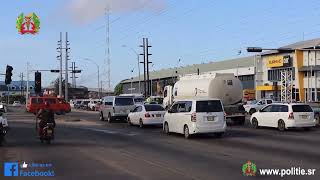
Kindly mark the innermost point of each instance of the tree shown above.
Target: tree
(118, 89)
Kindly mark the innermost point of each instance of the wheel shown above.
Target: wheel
(281, 125)
(166, 128)
(140, 123)
(62, 112)
(219, 134)
(186, 132)
(252, 110)
(101, 116)
(129, 122)
(109, 118)
(254, 123)
(93, 108)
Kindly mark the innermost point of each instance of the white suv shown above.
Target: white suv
(284, 116)
(194, 116)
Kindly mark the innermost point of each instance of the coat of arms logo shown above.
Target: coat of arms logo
(29, 24)
(249, 169)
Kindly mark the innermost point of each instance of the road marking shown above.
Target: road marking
(110, 131)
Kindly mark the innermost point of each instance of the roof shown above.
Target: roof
(205, 67)
(298, 45)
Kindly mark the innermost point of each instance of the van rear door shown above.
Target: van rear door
(123, 105)
(209, 113)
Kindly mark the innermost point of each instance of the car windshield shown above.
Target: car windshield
(138, 99)
(154, 108)
(209, 106)
(124, 101)
(301, 108)
(86, 102)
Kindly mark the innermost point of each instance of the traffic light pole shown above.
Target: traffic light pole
(8, 94)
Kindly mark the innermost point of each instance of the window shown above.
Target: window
(124, 101)
(229, 82)
(153, 108)
(209, 106)
(36, 101)
(50, 101)
(185, 106)
(139, 108)
(165, 93)
(13, 88)
(267, 108)
(283, 108)
(174, 108)
(301, 108)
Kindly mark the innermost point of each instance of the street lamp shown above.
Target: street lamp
(138, 61)
(90, 60)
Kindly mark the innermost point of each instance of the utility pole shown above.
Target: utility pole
(66, 66)
(27, 92)
(59, 49)
(146, 66)
(21, 84)
(107, 14)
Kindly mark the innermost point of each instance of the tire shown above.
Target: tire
(109, 118)
(166, 128)
(101, 116)
(255, 123)
(141, 123)
(186, 132)
(252, 110)
(317, 117)
(129, 122)
(219, 135)
(281, 125)
(93, 108)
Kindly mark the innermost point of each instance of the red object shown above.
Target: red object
(56, 104)
(194, 117)
(147, 115)
(291, 116)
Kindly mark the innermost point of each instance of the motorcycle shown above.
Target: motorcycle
(3, 127)
(47, 133)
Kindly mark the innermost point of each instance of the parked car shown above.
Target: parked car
(116, 107)
(77, 104)
(16, 103)
(316, 109)
(284, 116)
(149, 114)
(93, 105)
(255, 106)
(58, 105)
(84, 105)
(192, 116)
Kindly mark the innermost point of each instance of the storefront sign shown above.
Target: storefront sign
(278, 61)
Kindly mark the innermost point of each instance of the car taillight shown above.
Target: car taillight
(147, 115)
(193, 117)
(291, 116)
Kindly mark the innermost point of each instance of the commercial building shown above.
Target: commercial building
(290, 73)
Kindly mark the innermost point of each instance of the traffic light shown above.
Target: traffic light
(8, 74)
(37, 77)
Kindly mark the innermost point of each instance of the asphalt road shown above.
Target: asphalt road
(88, 148)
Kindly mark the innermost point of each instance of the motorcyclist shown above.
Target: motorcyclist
(46, 115)
(3, 120)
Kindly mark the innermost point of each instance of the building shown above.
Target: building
(16, 88)
(241, 67)
(290, 73)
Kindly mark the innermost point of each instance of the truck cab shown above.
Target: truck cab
(167, 97)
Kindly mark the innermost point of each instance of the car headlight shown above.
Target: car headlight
(1, 106)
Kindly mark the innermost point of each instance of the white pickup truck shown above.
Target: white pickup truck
(255, 106)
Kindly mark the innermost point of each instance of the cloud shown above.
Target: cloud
(85, 11)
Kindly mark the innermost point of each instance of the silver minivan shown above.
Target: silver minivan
(116, 108)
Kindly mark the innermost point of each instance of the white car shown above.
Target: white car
(148, 114)
(93, 104)
(192, 116)
(284, 116)
(254, 106)
(16, 103)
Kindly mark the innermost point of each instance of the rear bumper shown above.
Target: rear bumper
(294, 124)
(152, 121)
(119, 116)
(209, 129)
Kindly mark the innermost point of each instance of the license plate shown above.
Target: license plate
(304, 116)
(210, 118)
(158, 115)
(49, 131)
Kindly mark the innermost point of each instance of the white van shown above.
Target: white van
(192, 116)
(116, 107)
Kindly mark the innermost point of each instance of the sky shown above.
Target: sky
(194, 31)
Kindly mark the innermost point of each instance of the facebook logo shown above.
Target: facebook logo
(11, 169)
